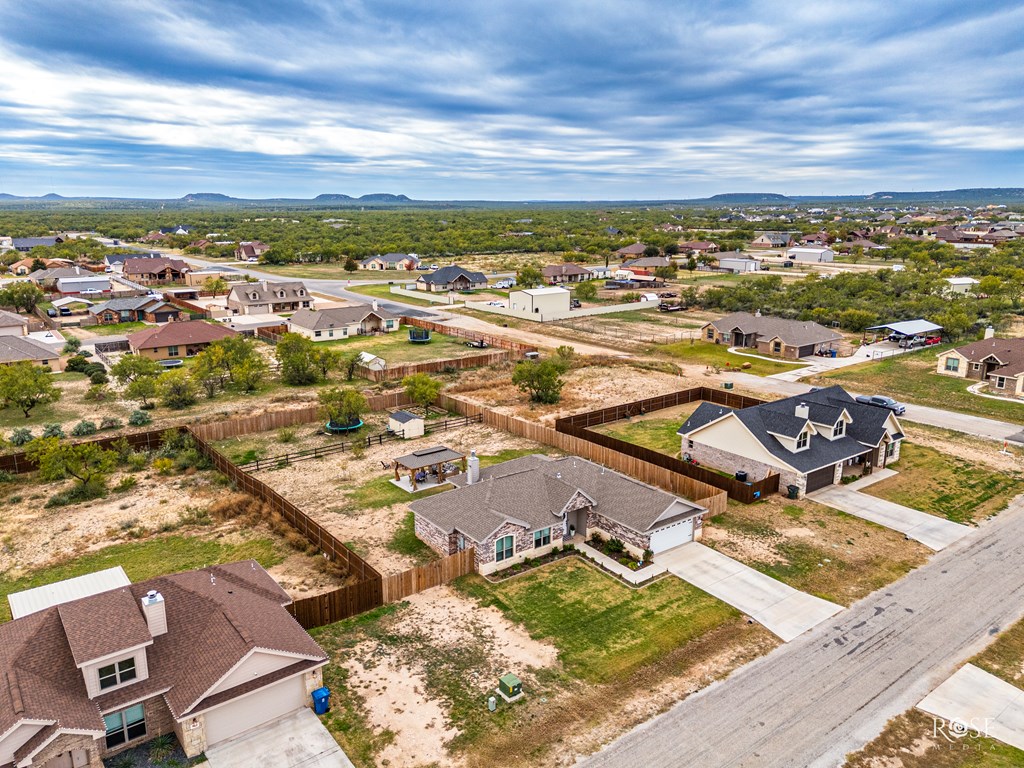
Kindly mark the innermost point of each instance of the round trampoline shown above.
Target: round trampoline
(341, 429)
(419, 335)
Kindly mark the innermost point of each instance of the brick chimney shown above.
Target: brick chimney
(154, 610)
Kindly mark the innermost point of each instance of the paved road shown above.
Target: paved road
(811, 702)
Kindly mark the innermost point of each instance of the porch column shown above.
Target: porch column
(412, 478)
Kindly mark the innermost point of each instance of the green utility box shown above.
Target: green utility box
(510, 685)
(727, 385)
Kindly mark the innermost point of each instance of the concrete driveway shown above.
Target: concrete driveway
(934, 532)
(297, 741)
(785, 611)
(979, 702)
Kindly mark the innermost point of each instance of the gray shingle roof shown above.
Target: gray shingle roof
(267, 292)
(448, 274)
(403, 417)
(337, 317)
(794, 333)
(14, 349)
(533, 490)
(9, 318)
(122, 305)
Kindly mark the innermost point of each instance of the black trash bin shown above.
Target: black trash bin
(794, 491)
(741, 476)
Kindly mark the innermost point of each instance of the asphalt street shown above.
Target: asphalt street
(831, 691)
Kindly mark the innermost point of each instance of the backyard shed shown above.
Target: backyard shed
(407, 424)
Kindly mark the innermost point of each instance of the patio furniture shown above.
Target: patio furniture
(437, 460)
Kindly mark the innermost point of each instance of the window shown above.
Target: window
(689, 444)
(801, 440)
(172, 351)
(711, 333)
(115, 674)
(331, 333)
(1000, 382)
(301, 292)
(975, 366)
(317, 334)
(776, 346)
(952, 363)
(542, 538)
(890, 449)
(503, 548)
(125, 726)
(840, 428)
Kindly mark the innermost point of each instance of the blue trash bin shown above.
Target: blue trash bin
(322, 700)
(834, 352)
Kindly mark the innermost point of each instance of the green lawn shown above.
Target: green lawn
(396, 348)
(656, 434)
(381, 492)
(912, 378)
(383, 291)
(405, 541)
(603, 630)
(144, 560)
(706, 353)
(328, 271)
(117, 329)
(946, 485)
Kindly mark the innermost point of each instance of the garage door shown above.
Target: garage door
(819, 478)
(672, 535)
(254, 710)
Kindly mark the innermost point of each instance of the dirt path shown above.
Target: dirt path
(529, 337)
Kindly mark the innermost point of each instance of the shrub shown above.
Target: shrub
(164, 465)
(76, 364)
(21, 436)
(98, 377)
(83, 428)
(286, 436)
(6, 477)
(78, 493)
(126, 484)
(139, 419)
(615, 545)
(53, 430)
(111, 423)
(97, 393)
(137, 461)
(648, 555)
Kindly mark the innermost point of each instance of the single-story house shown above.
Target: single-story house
(153, 237)
(810, 254)
(774, 239)
(264, 297)
(810, 440)
(158, 271)
(524, 507)
(540, 301)
(631, 251)
(738, 263)
(1000, 361)
(26, 244)
(95, 665)
(565, 273)
(116, 260)
(196, 278)
(404, 261)
(72, 286)
(250, 249)
(47, 278)
(647, 262)
(137, 309)
(343, 322)
(818, 238)
(961, 286)
(19, 349)
(697, 247)
(791, 339)
(177, 229)
(12, 324)
(176, 340)
(451, 278)
(600, 272)
(24, 266)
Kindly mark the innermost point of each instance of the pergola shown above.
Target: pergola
(430, 460)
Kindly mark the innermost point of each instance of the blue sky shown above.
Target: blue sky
(536, 99)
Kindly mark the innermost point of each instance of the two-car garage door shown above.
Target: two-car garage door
(819, 478)
(270, 703)
(672, 535)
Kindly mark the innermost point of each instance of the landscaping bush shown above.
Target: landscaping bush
(126, 484)
(615, 546)
(286, 436)
(97, 393)
(84, 428)
(111, 423)
(53, 430)
(6, 477)
(98, 377)
(164, 465)
(76, 364)
(76, 494)
(137, 461)
(21, 436)
(139, 418)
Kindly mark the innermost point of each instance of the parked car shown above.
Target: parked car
(494, 303)
(574, 304)
(881, 401)
(909, 342)
(51, 313)
(898, 268)
(65, 312)
(253, 260)
(508, 282)
(932, 340)
(433, 266)
(667, 307)
(787, 263)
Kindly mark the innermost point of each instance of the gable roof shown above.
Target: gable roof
(795, 333)
(448, 274)
(123, 305)
(648, 261)
(1009, 353)
(9, 318)
(179, 334)
(14, 349)
(561, 270)
(215, 617)
(533, 490)
(148, 265)
(266, 292)
(632, 250)
(337, 317)
(391, 258)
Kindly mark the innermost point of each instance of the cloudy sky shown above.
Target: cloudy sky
(524, 99)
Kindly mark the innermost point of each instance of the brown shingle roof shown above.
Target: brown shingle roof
(179, 334)
(561, 270)
(794, 333)
(103, 624)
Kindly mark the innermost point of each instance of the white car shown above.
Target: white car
(253, 260)
(495, 303)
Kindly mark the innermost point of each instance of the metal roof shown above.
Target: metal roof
(37, 599)
(428, 457)
(908, 327)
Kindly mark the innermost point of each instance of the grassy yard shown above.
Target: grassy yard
(405, 541)
(947, 486)
(912, 378)
(396, 348)
(117, 329)
(329, 271)
(145, 560)
(603, 630)
(656, 434)
(381, 492)
(383, 291)
(705, 353)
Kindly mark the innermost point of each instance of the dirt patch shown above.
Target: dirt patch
(744, 547)
(987, 452)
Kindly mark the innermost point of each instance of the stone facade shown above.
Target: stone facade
(787, 351)
(732, 462)
(522, 548)
(439, 541)
(159, 721)
(635, 542)
(191, 735)
(69, 743)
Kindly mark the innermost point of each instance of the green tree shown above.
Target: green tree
(215, 285)
(348, 364)
(564, 356)
(143, 388)
(24, 386)
(250, 373)
(691, 263)
(38, 264)
(177, 390)
(350, 265)
(954, 321)
(585, 291)
(23, 296)
(529, 276)
(85, 462)
(209, 370)
(651, 251)
(326, 360)
(541, 380)
(297, 356)
(342, 407)
(421, 389)
(132, 367)
(665, 273)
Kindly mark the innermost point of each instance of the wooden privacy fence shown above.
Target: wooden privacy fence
(498, 342)
(646, 472)
(436, 366)
(671, 400)
(19, 463)
(434, 574)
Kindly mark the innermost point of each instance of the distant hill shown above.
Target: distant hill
(383, 197)
(748, 198)
(208, 197)
(953, 196)
(332, 198)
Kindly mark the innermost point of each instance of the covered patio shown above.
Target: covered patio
(427, 468)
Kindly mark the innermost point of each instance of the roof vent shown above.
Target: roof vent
(558, 475)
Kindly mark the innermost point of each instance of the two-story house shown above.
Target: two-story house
(95, 665)
(266, 298)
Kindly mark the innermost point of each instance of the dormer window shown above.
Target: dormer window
(840, 428)
(117, 673)
(301, 292)
(254, 296)
(801, 440)
(280, 294)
